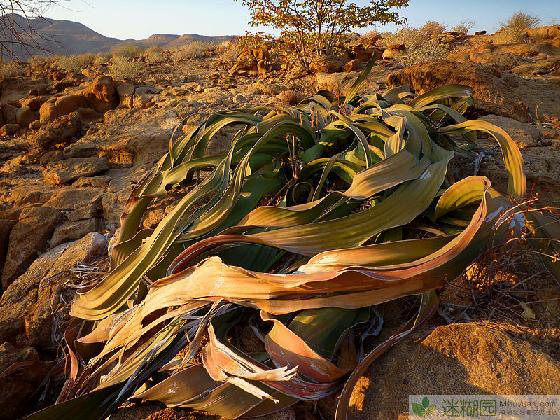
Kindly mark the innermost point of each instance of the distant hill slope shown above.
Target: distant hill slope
(64, 37)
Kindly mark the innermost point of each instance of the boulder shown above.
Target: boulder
(9, 129)
(393, 51)
(99, 181)
(69, 198)
(290, 97)
(90, 210)
(32, 298)
(494, 92)
(125, 91)
(72, 230)
(245, 64)
(9, 113)
(28, 195)
(328, 63)
(363, 53)
(23, 371)
(59, 131)
(101, 94)
(81, 150)
(53, 294)
(68, 170)
(144, 95)
(62, 85)
(353, 65)
(63, 105)
(335, 83)
(51, 156)
(28, 238)
(25, 116)
(5, 230)
(33, 102)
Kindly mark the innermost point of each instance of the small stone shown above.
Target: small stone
(239, 99)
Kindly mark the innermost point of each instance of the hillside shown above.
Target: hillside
(65, 37)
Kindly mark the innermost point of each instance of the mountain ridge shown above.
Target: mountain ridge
(66, 37)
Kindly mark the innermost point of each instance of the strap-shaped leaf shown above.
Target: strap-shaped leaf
(512, 156)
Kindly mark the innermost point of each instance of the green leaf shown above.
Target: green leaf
(512, 156)
(444, 92)
(418, 409)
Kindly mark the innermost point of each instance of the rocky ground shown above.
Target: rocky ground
(73, 145)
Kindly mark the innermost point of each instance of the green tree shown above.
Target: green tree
(317, 26)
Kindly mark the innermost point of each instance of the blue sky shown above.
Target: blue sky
(140, 18)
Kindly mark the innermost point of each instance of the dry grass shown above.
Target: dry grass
(154, 55)
(290, 97)
(192, 50)
(10, 70)
(122, 68)
(127, 50)
(227, 52)
(510, 283)
(102, 58)
(420, 44)
(74, 63)
(464, 27)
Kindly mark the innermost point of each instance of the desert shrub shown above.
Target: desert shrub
(432, 28)
(516, 26)
(290, 97)
(11, 70)
(194, 49)
(227, 52)
(124, 68)
(38, 62)
(420, 44)
(463, 27)
(153, 54)
(370, 38)
(102, 58)
(127, 50)
(74, 63)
